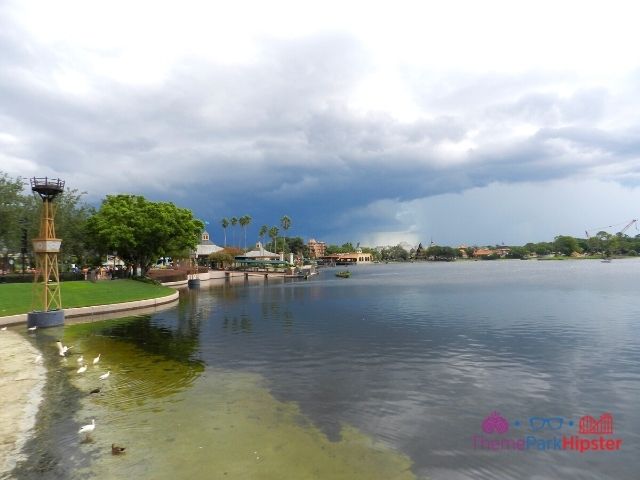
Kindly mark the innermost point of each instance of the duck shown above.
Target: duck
(32, 329)
(82, 369)
(116, 449)
(80, 359)
(97, 359)
(88, 428)
(104, 376)
(4, 329)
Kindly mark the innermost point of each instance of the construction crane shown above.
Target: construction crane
(621, 232)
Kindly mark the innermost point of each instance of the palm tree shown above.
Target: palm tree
(234, 222)
(262, 232)
(225, 224)
(244, 221)
(273, 233)
(285, 223)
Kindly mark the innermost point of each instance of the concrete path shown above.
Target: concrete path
(22, 379)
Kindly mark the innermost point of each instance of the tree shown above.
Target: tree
(11, 206)
(396, 254)
(221, 259)
(517, 252)
(141, 231)
(234, 222)
(273, 234)
(225, 224)
(566, 245)
(439, 253)
(245, 220)
(262, 232)
(20, 211)
(285, 223)
(295, 245)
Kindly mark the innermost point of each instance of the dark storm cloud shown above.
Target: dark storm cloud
(279, 136)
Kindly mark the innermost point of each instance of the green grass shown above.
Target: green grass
(16, 298)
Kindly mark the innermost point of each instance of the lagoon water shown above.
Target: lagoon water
(386, 375)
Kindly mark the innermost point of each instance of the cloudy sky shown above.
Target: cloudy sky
(475, 122)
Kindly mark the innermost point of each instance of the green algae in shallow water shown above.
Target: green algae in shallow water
(228, 425)
(179, 420)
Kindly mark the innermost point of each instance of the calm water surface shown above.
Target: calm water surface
(388, 374)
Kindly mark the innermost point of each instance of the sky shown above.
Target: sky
(458, 122)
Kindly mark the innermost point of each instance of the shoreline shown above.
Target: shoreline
(21, 392)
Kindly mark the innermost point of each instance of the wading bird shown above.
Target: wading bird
(87, 429)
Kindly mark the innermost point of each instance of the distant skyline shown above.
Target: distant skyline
(462, 122)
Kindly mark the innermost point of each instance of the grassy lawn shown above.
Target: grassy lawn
(16, 298)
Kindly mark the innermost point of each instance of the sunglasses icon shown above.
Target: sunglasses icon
(541, 423)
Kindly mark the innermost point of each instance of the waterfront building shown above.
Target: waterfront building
(316, 249)
(352, 258)
(206, 247)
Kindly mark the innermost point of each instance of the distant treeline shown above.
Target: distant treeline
(601, 244)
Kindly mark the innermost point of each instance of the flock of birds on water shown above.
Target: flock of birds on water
(83, 366)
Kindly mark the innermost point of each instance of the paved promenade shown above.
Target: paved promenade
(22, 379)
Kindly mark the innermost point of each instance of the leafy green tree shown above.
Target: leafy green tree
(566, 245)
(221, 259)
(225, 224)
(441, 253)
(295, 245)
(141, 231)
(517, 252)
(395, 254)
(12, 204)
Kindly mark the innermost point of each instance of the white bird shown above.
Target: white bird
(61, 350)
(97, 359)
(88, 428)
(80, 359)
(31, 329)
(82, 369)
(3, 328)
(104, 376)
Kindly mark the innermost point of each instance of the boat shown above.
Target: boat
(344, 274)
